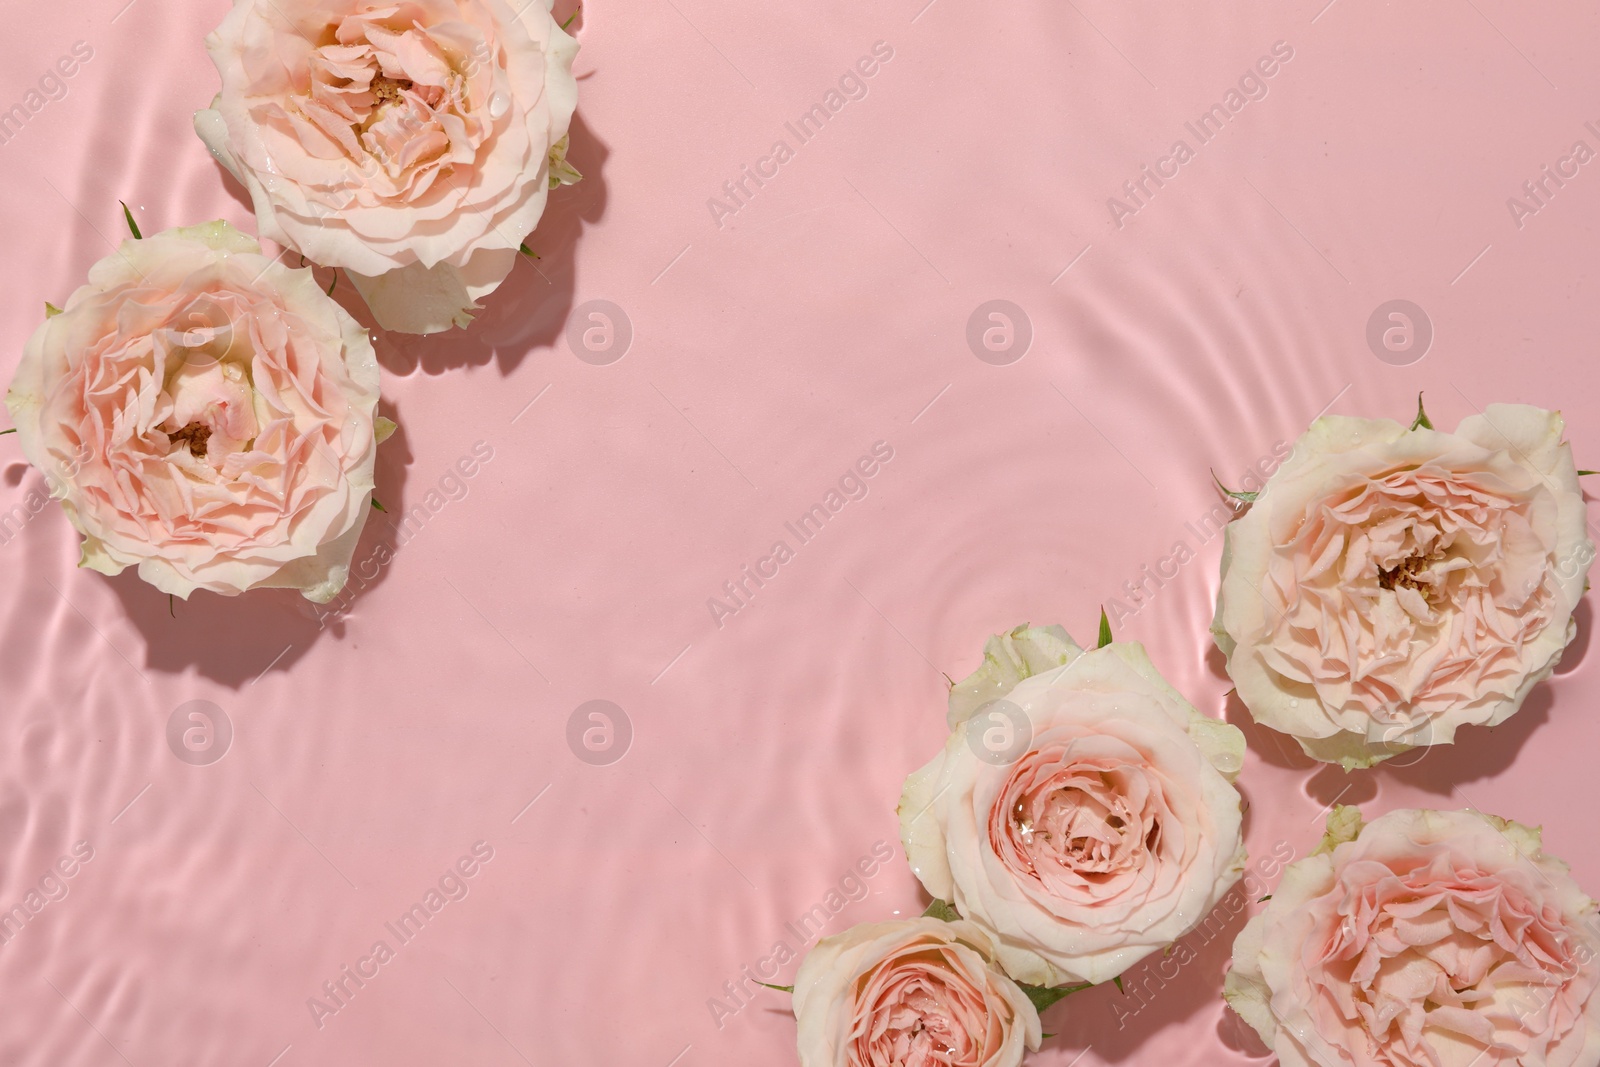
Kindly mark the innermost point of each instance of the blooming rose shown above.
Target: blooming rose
(1426, 939)
(206, 414)
(412, 143)
(1390, 584)
(1084, 820)
(913, 993)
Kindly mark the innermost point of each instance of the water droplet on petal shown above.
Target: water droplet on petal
(499, 104)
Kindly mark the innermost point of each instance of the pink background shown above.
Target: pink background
(768, 353)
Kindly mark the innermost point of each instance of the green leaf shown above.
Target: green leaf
(779, 988)
(379, 506)
(525, 250)
(1422, 417)
(942, 909)
(1241, 496)
(50, 310)
(571, 18)
(1105, 630)
(1043, 995)
(133, 227)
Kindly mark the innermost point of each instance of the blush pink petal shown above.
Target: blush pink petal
(1428, 938)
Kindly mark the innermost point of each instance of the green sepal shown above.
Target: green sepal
(1239, 495)
(1422, 417)
(133, 227)
(1043, 996)
(942, 909)
(50, 310)
(1105, 630)
(779, 988)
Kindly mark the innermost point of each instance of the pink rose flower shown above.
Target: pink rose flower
(1425, 939)
(913, 993)
(412, 143)
(205, 414)
(1390, 584)
(1085, 817)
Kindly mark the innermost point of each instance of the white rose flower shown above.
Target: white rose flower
(1390, 584)
(205, 414)
(910, 993)
(1083, 819)
(412, 144)
(1423, 939)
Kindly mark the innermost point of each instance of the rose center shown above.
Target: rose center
(930, 1029)
(196, 435)
(388, 89)
(387, 94)
(1090, 831)
(212, 409)
(1412, 573)
(921, 1032)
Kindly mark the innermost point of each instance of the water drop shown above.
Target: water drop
(499, 103)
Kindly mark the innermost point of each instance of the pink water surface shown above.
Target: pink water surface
(772, 346)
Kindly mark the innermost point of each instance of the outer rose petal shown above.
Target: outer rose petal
(417, 299)
(920, 830)
(213, 131)
(1244, 989)
(1008, 658)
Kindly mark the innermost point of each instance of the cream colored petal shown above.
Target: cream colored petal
(422, 300)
